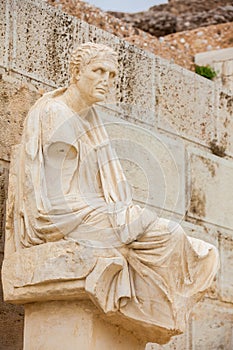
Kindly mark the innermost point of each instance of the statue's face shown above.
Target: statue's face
(95, 79)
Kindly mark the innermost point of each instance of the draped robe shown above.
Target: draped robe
(74, 188)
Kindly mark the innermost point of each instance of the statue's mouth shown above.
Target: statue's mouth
(101, 89)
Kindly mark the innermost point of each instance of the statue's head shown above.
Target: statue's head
(85, 53)
(93, 68)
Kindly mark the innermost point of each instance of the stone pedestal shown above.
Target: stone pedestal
(73, 325)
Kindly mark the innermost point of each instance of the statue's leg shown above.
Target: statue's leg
(169, 272)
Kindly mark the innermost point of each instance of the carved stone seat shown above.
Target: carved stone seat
(58, 271)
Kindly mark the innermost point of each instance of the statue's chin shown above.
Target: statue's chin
(100, 97)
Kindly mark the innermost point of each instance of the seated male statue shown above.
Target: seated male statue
(72, 187)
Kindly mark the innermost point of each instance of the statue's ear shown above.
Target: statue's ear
(75, 73)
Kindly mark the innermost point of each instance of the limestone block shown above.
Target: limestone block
(224, 141)
(30, 274)
(218, 67)
(15, 101)
(228, 67)
(3, 193)
(81, 34)
(225, 277)
(210, 179)
(99, 36)
(73, 325)
(4, 33)
(42, 41)
(186, 103)
(85, 32)
(228, 83)
(154, 165)
(212, 326)
(135, 85)
(209, 57)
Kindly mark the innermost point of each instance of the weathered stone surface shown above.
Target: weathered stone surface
(210, 179)
(135, 85)
(3, 193)
(209, 328)
(99, 36)
(42, 41)
(212, 326)
(154, 165)
(224, 141)
(208, 58)
(225, 276)
(222, 62)
(4, 33)
(72, 325)
(228, 67)
(15, 101)
(185, 103)
(228, 82)
(53, 262)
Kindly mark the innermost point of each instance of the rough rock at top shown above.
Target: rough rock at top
(178, 7)
(179, 15)
(156, 23)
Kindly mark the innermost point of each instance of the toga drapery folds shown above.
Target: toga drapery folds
(71, 186)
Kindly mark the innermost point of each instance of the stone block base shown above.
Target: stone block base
(73, 325)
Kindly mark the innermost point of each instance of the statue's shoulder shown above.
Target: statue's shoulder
(49, 103)
(48, 110)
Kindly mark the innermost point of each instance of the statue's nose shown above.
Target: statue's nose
(106, 77)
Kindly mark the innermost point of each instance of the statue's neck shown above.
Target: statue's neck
(72, 98)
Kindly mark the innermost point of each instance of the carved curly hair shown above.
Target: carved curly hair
(87, 52)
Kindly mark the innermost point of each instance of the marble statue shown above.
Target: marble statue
(71, 188)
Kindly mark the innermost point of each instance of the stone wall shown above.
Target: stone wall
(222, 62)
(177, 118)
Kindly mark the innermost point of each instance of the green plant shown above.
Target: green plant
(205, 71)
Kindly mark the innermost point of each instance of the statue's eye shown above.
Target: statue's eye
(98, 70)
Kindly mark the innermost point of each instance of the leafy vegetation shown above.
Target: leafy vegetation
(206, 71)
